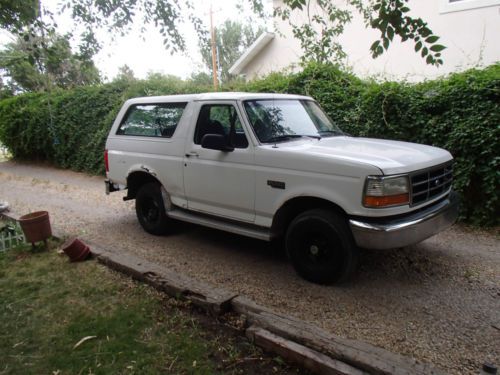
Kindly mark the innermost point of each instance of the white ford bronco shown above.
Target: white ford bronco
(275, 166)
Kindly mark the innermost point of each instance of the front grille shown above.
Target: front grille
(431, 183)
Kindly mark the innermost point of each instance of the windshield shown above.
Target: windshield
(285, 119)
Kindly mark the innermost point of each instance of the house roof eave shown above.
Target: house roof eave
(251, 52)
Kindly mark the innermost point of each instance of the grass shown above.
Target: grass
(47, 305)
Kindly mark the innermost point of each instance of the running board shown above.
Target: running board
(247, 230)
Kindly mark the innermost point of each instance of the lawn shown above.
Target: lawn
(48, 305)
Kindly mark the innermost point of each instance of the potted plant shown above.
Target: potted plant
(36, 227)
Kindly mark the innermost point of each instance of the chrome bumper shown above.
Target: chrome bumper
(380, 233)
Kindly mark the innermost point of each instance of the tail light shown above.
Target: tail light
(106, 161)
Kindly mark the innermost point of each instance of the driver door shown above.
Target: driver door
(220, 183)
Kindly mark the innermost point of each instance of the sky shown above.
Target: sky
(146, 53)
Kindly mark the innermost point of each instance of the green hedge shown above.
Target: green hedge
(460, 113)
(68, 128)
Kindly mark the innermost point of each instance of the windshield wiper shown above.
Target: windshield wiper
(330, 133)
(284, 137)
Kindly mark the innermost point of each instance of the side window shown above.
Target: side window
(219, 119)
(152, 120)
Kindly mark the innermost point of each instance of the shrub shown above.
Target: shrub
(459, 113)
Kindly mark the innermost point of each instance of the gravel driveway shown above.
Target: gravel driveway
(438, 301)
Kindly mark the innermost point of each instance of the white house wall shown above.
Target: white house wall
(471, 34)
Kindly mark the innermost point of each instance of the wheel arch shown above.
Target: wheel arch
(294, 206)
(136, 179)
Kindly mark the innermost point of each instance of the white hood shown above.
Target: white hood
(392, 157)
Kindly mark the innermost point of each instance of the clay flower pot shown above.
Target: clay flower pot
(36, 226)
(76, 250)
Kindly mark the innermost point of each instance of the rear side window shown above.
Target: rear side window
(152, 120)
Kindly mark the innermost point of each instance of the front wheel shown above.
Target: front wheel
(150, 209)
(321, 247)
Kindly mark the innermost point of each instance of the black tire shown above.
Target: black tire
(150, 209)
(321, 247)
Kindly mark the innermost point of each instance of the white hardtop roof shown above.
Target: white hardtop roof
(213, 96)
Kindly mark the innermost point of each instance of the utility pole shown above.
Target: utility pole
(214, 59)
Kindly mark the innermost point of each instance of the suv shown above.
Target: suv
(275, 166)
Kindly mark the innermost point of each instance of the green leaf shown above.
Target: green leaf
(390, 32)
(425, 51)
(374, 45)
(386, 43)
(437, 48)
(297, 4)
(418, 46)
(425, 32)
(432, 39)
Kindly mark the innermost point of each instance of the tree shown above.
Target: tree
(53, 65)
(201, 79)
(5, 91)
(231, 40)
(16, 14)
(318, 37)
(125, 74)
(119, 16)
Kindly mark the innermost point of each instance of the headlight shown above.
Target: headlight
(386, 191)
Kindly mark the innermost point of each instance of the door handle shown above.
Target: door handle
(192, 153)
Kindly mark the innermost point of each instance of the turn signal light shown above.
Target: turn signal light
(388, 200)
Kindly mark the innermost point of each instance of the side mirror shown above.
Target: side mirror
(216, 142)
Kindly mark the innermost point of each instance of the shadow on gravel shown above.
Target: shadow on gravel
(410, 263)
(415, 265)
(233, 243)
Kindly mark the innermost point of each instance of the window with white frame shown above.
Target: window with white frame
(446, 6)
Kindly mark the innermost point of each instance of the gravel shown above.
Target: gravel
(438, 301)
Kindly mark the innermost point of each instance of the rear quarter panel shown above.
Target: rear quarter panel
(161, 157)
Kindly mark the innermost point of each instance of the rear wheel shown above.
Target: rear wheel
(320, 247)
(150, 209)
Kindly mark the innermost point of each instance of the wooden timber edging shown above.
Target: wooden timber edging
(295, 340)
(216, 301)
(292, 352)
(361, 355)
